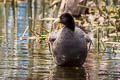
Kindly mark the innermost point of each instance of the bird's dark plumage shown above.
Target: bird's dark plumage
(69, 44)
(68, 21)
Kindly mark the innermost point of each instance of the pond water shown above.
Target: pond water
(18, 61)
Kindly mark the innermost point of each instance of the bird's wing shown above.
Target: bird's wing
(52, 37)
(82, 34)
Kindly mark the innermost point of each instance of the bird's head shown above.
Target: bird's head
(67, 20)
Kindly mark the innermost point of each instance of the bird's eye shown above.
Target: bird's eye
(62, 17)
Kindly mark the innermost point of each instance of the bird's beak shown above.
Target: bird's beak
(57, 20)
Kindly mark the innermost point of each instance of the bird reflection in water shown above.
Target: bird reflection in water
(68, 73)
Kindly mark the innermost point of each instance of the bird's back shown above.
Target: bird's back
(70, 48)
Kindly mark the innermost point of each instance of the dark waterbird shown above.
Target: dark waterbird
(69, 44)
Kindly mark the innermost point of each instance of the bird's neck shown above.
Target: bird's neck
(71, 26)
